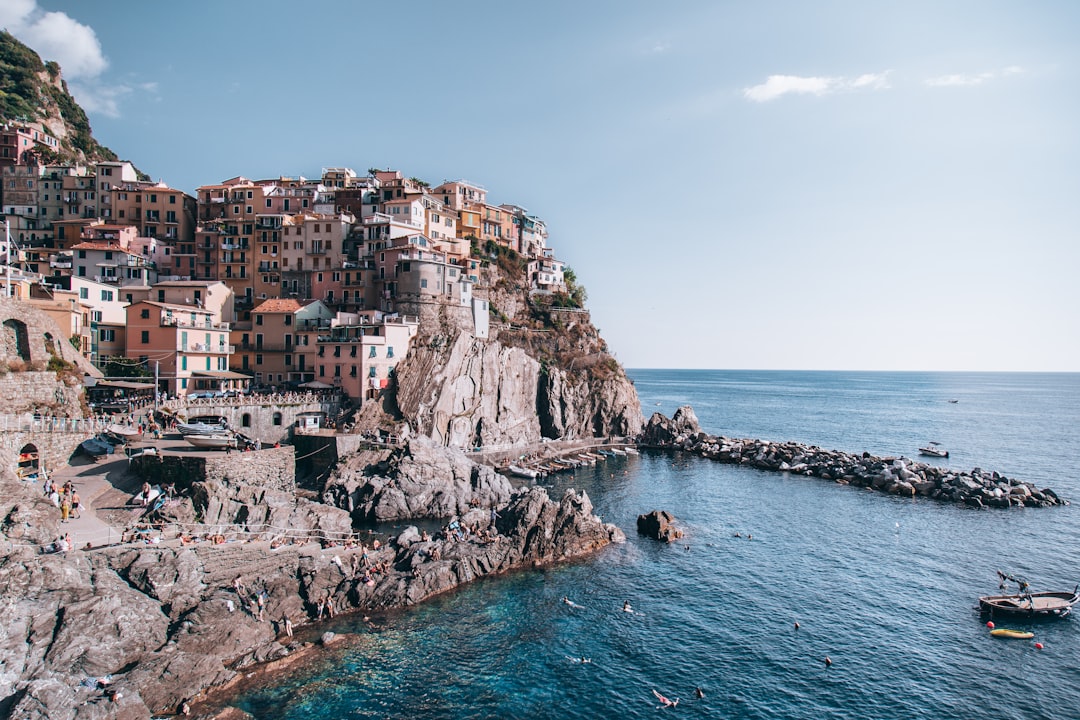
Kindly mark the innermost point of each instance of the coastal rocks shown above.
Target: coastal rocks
(469, 392)
(895, 476)
(420, 480)
(258, 509)
(658, 525)
(661, 431)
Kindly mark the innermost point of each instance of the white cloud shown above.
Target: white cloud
(56, 36)
(776, 86)
(971, 79)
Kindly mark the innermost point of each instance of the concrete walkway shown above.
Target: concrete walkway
(102, 486)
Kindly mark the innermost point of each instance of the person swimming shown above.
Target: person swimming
(626, 606)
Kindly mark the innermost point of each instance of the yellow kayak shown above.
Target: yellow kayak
(1006, 633)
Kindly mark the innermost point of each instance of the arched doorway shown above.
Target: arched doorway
(16, 341)
(29, 462)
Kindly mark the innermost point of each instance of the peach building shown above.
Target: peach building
(184, 342)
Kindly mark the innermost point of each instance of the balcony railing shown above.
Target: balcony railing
(179, 322)
(204, 348)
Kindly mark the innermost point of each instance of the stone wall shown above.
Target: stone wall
(39, 392)
(269, 422)
(271, 468)
(30, 337)
(54, 449)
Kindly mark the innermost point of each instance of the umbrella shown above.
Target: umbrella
(315, 385)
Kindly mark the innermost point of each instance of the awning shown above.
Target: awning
(124, 385)
(221, 375)
(315, 385)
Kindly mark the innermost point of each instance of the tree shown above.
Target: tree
(119, 366)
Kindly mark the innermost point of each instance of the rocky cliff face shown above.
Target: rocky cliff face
(467, 392)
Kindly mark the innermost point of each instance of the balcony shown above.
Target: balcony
(204, 348)
(174, 321)
(268, 347)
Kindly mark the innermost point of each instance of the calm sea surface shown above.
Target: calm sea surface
(885, 587)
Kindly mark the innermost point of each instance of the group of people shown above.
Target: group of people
(66, 498)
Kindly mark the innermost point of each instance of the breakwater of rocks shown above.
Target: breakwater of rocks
(892, 475)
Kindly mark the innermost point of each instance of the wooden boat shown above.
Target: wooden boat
(1027, 604)
(521, 471)
(96, 447)
(1014, 634)
(934, 449)
(121, 433)
(211, 442)
(1041, 604)
(631, 451)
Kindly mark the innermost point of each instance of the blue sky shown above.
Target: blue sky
(829, 185)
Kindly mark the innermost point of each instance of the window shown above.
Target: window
(145, 314)
(108, 336)
(258, 319)
(258, 359)
(84, 293)
(183, 362)
(288, 319)
(145, 337)
(82, 254)
(389, 351)
(107, 295)
(371, 371)
(245, 420)
(372, 353)
(277, 418)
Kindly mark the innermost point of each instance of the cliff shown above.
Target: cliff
(34, 91)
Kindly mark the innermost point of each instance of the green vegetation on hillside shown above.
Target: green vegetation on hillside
(24, 96)
(20, 88)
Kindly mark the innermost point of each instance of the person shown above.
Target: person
(287, 624)
(76, 505)
(145, 499)
(626, 606)
(65, 508)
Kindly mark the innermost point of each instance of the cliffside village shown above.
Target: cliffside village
(277, 283)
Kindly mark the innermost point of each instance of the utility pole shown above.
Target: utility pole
(157, 387)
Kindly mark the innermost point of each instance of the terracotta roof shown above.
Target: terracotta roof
(278, 305)
(90, 245)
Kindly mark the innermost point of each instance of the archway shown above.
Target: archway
(29, 462)
(16, 341)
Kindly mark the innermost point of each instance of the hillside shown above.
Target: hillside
(34, 91)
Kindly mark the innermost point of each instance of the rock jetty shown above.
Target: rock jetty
(893, 475)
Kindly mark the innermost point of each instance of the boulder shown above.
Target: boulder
(658, 525)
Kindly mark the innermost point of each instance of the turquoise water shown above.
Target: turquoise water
(884, 586)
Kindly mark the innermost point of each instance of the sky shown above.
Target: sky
(738, 185)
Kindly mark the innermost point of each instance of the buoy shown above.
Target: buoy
(1038, 646)
(828, 661)
(990, 624)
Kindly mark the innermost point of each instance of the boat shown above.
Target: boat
(121, 433)
(198, 428)
(631, 451)
(96, 447)
(211, 442)
(1015, 634)
(524, 472)
(934, 449)
(1027, 604)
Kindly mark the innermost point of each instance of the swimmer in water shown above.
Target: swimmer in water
(626, 606)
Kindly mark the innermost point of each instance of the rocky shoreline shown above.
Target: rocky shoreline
(165, 621)
(892, 475)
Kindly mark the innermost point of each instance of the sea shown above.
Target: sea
(776, 573)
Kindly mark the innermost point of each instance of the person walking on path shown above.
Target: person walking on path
(65, 508)
(76, 505)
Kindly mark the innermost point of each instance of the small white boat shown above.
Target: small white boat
(522, 471)
(198, 428)
(934, 449)
(211, 442)
(631, 451)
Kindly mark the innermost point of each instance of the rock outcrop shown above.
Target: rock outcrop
(468, 392)
(659, 525)
(893, 475)
(419, 480)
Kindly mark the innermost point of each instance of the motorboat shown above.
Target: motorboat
(521, 471)
(934, 449)
(121, 433)
(199, 428)
(212, 442)
(1026, 604)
